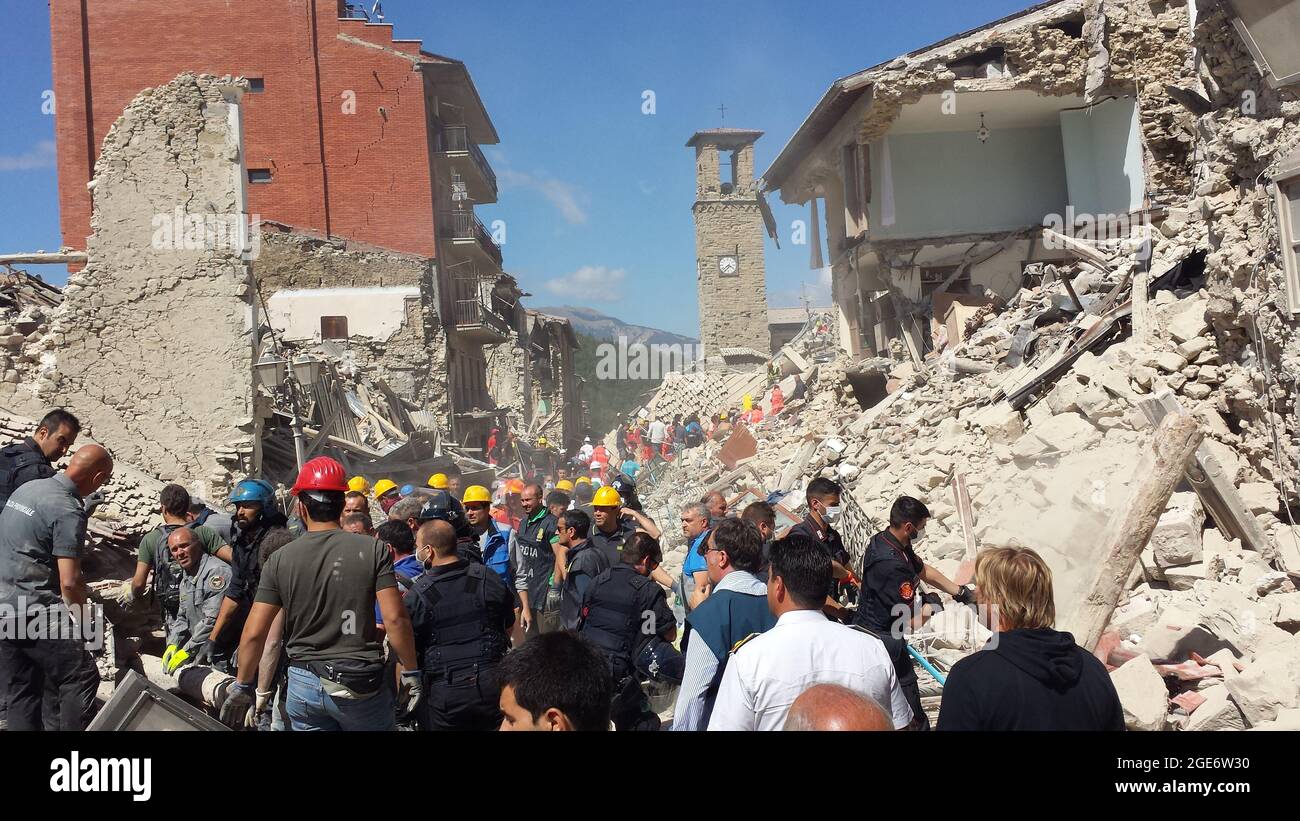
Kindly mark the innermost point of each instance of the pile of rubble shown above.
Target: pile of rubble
(1041, 413)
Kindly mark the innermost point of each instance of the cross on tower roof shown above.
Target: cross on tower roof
(722, 111)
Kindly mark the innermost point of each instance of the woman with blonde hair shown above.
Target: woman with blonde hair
(1029, 676)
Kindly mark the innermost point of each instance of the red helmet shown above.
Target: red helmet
(321, 473)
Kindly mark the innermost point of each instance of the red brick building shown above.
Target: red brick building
(348, 133)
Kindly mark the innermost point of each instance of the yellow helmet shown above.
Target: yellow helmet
(583, 480)
(438, 481)
(541, 440)
(359, 484)
(383, 486)
(565, 485)
(606, 497)
(476, 493)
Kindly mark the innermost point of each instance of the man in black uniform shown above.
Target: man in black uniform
(461, 614)
(889, 606)
(442, 506)
(256, 516)
(626, 614)
(583, 562)
(34, 457)
(823, 497)
(535, 566)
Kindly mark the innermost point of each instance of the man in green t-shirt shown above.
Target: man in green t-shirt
(154, 557)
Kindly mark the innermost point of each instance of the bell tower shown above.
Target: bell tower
(730, 271)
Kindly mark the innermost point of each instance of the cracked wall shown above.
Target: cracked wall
(152, 347)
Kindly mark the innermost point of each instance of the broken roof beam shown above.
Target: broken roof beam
(45, 258)
(1156, 475)
(1217, 490)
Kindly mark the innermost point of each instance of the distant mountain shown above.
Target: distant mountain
(601, 326)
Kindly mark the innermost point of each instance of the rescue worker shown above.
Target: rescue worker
(564, 486)
(823, 499)
(891, 578)
(34, 457)
(762, 516)
(582, 496)
(614, 525)
(582, 563)
(535, 564)
(42, 540)
(336, 664)
(439, 504)
(461, 614)
(767, 672)
(202, 589)
(256, 516)
(386, 494)
(736, 608)
(154, 557)
(626, 615)
(358, 484)
(438, 481)
(356, 502)
(496, 541)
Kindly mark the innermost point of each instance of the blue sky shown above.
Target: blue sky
(592, 190)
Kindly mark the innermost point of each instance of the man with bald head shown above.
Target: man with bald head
(830, 707)
(42, 539)
(461, 615)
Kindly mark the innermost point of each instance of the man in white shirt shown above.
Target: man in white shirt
(658, 433)
(768, 672)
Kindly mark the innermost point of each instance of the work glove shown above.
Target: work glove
(92, 501)
(965, 595)
(253, 720)
(177, 660)
(409, 691)
(204, 654)
(932, 599)
(167, 655)
(126, 593)
(234, 710)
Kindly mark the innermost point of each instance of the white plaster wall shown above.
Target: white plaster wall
(375, 313)
(1103, 157)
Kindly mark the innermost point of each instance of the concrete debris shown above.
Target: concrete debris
(1142, 693)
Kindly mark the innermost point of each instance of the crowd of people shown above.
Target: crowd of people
(535, 603)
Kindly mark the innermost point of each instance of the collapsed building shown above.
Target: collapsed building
(1051, 237)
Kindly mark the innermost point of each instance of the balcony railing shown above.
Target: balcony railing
(455, 138)
(463, 225)
(474, 314)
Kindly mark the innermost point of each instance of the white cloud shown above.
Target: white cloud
(568, 199)
(590, 283)
(42, 156)
(817, 292)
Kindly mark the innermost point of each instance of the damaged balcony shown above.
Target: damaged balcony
(463, 231)
(480, 314)
(454, 145)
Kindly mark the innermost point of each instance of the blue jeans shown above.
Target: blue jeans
(310, 709)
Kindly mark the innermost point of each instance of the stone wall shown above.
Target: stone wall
(733, 309)
(152, 347)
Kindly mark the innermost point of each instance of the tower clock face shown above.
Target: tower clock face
(728, 265)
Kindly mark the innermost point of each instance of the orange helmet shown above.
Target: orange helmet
(515, 486)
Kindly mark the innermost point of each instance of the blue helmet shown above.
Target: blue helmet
(252, 490)
(406, 490)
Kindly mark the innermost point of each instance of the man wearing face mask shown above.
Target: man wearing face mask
(823, 497)
(461, 615)
(891, 577)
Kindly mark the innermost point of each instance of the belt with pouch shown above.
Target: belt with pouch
(346, 678)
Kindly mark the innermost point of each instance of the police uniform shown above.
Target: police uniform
(200, 601)
(611, 544)
(43, 521)
(829, 538)
(767, 672)
(891, 578)
(536, 564)
(623, 613)
(460, 614)
(582, 564)
(246, 574)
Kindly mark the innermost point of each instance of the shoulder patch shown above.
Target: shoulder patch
(735, 647)
(217, 582)
(905, 590)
